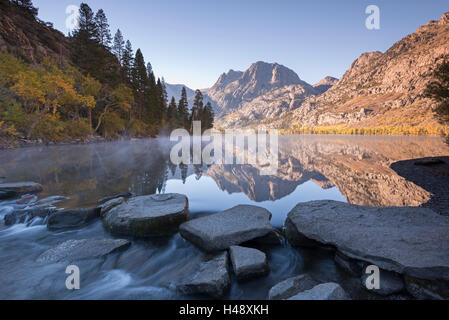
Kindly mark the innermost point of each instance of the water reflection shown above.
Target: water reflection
(353, 169)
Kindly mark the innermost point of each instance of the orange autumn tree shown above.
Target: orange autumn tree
(46, 88)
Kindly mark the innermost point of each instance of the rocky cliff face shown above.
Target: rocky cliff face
(382, 89)
(31, 39)
(235, 88)
(267, 106)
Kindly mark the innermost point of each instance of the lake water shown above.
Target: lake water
(349, 169)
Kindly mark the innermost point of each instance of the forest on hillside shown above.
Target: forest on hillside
(103, 88)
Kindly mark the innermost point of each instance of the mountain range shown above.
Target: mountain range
(379, 90)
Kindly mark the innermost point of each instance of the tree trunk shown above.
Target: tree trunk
(90, 119)
(35, 122)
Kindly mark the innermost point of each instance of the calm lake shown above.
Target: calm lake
(349, 169)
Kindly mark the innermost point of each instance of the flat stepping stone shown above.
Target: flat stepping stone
(16, 189)
(291, 287)
(232, 227)
(148, 216)
(325, 291)
(211, 280)
(76, 250)
(407, 240)
(248, 263)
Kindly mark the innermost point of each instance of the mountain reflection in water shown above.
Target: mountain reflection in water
(353, 169)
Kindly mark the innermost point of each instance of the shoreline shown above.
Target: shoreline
(23, 143)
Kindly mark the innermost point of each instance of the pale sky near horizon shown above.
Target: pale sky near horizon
(192, 42)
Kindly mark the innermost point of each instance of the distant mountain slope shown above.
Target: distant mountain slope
(325, 84)
(174, 90)
(267, 106)
(381, 90)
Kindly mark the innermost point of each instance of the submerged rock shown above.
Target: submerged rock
(76, 250)
(212, 279)
(229, 228)
(248, 263)
(148, 216)
(21, 216)
(291, 287)
(16, 189)
(411, 241)
(325, 291)
(70, 219)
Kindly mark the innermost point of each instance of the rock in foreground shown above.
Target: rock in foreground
(248, 263)
(325, 291)
(21, 216)
(410, 241)
(148, 216)
(109, 205)
(291, 287)
(76, 250)
(71, 219)
(229, 228)
(390, 283)
(211, 280)
(16, 189)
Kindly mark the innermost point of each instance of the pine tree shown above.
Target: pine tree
(197, 109)
(172, 113)
(103, 32)
(87, 27)
(207, 118)
(140, 83)
(27, 5)
(183, 110)
(118, 45)
(87, 53)
(127, 61)
(161, 106)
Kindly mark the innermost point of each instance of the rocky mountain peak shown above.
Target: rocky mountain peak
(444, 19)
(227, 78)
(271, 73)
(235, 88)
(325, 84)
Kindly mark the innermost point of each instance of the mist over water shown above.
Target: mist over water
(352, 169)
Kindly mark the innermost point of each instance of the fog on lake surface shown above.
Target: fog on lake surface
(352, 169)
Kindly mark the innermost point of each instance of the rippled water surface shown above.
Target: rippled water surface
(352, 169)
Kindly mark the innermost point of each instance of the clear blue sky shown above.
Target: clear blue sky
(192, 42)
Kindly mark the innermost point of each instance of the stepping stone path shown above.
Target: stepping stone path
(248, 263)
(211, 280)
(232, 227)
(148, 216)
